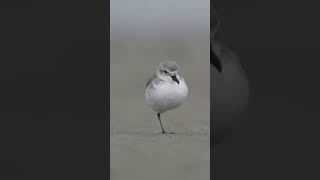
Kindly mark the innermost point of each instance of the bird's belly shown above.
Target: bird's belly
(166, 97)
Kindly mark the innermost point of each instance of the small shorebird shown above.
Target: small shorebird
(229, 86)
(166, 89)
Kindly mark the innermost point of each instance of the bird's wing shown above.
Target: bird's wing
(154, 76)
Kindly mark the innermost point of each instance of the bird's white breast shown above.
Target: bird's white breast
(166, 95)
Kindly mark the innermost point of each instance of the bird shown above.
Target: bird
(229, 87)
(165, 90)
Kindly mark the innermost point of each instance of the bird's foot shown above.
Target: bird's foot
(165, 132)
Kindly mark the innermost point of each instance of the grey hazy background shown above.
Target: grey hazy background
(142, 34)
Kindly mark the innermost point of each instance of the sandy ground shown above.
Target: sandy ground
(143, 154)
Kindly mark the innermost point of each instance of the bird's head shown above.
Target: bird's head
(168, 71)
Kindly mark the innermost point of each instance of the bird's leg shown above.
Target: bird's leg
(163, 131)
(159, 118)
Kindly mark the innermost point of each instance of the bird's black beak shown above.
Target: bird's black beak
(174, 77)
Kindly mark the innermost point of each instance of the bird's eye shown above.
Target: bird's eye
(165, 71)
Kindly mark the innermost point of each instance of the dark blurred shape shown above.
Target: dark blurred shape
(229, 86)
(215, 61)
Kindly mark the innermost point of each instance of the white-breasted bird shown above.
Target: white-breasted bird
(166, 89)
(229, 87)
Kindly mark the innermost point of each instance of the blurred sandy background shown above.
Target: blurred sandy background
(142, 35)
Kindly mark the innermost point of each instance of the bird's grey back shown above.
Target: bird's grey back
(154, 76)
